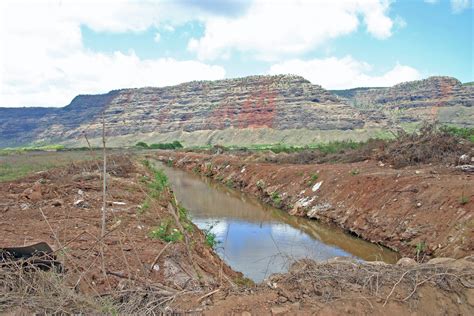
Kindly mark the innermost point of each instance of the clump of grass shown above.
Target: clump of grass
(355, 172)
(420, 249)
(229, 183)
(463, 132)
(313, 178)
(261, 184)
(276, 198)
(174, 145)
(166, 233)
(463, 200)
(210, 237)
(159, 181)
(243, 281)
(144, 207)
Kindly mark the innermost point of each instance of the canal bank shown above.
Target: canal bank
(415, 211)
(258, 239)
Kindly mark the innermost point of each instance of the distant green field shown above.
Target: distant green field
(16, 165)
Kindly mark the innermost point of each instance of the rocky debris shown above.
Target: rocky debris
(406, 262)
(86, 176)
(466, 168)
(81, 204)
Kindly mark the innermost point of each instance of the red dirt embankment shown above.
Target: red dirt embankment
(63, 208)
(425, 209)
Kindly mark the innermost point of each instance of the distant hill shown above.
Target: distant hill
(255, 109)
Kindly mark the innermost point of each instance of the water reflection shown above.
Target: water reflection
(257, 239)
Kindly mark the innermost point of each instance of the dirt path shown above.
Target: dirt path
(426, 210)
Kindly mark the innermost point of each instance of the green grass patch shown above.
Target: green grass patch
(159, 180)
(313, 178)
(17, 165)
(463, 132)
(330, 147)
(276, 198)
(166, 232)
(174, 145)
(463, 200)
(210, 237)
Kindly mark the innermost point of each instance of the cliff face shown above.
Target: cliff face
(256, 109)
(253, 103)
(442, 98)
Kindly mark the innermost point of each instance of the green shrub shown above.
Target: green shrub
(142, 145)
(144, 207)
(276, 198)
(229, 183)
(463, 200)
(210, 237)
(166, 233)
(261, 184)
(314, 177)
(159, 181)
(463, 132)
(355, 172)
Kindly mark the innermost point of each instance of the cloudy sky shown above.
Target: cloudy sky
(51, 51)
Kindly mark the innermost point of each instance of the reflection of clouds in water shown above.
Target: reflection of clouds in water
(259, 250)
(255, 239)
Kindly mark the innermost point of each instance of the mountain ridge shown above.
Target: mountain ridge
(263, 109)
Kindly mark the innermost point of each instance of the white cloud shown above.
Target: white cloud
(43, 61)
(273, 29)
(157, 37)
(343, 73)
(460, 5)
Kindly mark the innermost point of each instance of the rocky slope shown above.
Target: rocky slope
(256, 109)
(442, 98)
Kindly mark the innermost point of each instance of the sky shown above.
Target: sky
(53, 50)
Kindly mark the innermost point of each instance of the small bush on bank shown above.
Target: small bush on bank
(174, 145)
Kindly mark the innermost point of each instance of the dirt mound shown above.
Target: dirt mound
(340, 287)
(62, 207)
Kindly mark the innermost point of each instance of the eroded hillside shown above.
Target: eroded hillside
(251, 110)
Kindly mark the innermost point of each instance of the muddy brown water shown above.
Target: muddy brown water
(257, 239)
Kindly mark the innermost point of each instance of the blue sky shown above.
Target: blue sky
(52, 50)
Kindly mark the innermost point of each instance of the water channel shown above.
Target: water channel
(257, 239)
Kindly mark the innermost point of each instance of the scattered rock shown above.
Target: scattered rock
(406, 262)
(377, 263)
(464, 159)
(81, 204)
(282, 299)
(466, 168)
(24, 206)
(317, 186)
(313, 212)
(280, 310)
(57, 203)
(440, 260)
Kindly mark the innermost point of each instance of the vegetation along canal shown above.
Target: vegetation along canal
(257, 239)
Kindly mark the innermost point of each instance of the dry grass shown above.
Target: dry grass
(430, 145)
(340, 280)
